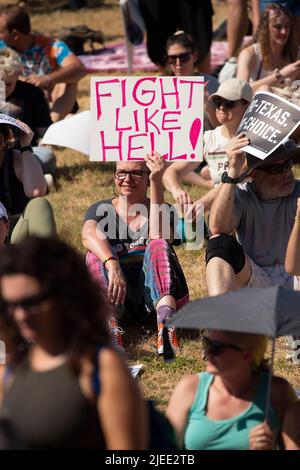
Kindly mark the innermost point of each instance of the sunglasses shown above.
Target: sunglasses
(134, 174)
(217, 102)
(278, 168)
(216, 347)
(184, 57)
(29, 304)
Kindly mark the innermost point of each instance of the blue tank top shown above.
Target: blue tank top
(203, 433)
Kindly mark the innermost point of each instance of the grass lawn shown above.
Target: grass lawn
(80, 183)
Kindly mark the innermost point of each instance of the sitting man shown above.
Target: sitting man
(27, 103)
(262, 212)
(47, 63)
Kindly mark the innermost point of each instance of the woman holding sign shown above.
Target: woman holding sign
(129, 247)
(272, 63)
(22, 184)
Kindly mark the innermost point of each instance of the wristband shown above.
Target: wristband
(27, 148)
(108, 259)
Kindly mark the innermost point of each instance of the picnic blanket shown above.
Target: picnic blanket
(114, 57)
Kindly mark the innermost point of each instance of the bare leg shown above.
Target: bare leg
(166, 300)
(237, 24)
(63, 99)
(221, 278)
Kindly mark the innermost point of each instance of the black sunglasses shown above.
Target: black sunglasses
(134, 174)
(216, 347)
(218, 102)
(29, 304)
(184, 57)
(278, 168)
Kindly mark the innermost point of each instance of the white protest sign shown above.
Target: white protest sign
(132, 116)
(268, 121)
(5, 119)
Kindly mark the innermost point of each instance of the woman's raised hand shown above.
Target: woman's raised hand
(261, 437)
(156, 165)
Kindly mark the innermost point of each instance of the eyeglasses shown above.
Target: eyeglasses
(278, 168)
(184, 57)
(29, 304)
(216, 347)
(134, 174)
(218, 102)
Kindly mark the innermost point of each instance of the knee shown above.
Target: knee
(39, 204)
(226, 247)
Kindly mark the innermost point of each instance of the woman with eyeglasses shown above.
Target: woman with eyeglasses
(129, 248)
(230, 102)
(271, 63)
(223, 408)
(62, 387)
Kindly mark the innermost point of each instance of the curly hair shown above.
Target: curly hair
(74, 297)
(263, 36)
(10, 62)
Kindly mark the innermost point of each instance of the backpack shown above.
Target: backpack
(76, 36)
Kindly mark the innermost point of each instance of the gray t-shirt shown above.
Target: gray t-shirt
(264, 227)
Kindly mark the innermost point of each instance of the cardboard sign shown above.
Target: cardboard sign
(268, 121)
(132, 116)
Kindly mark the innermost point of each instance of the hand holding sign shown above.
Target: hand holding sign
(236, 154)
(156, 165)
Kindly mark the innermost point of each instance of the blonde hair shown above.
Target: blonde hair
(10, 62)
(257, 344)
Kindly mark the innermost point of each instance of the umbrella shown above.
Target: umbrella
(272, 311)
(72, 132)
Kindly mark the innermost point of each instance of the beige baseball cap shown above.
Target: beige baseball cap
(234, 89)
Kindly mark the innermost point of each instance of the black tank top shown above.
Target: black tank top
(12, 193)
(48, 410)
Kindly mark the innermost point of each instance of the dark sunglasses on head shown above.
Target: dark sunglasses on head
(277, 168)
(134, 174)
(218, 102)
(29, 304)
(184, 57)
(216, 347)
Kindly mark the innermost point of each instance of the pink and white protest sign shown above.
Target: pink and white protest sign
(132, 116)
